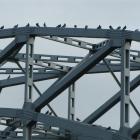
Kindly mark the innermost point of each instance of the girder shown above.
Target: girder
(103, 57)
(111, 102)
(21, 80)
(84, 66)
(74, 127)
(70, 32)
(99, 68)
(12, 49)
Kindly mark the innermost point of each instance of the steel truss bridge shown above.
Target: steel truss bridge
(114, 54)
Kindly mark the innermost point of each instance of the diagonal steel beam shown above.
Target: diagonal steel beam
(135, 130)
(110, 103)
(70, 41)
(13, 48)
(83, 67)
(76, 42)
(135, 108)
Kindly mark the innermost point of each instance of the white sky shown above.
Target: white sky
(92, 90)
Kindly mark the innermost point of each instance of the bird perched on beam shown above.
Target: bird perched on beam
(111, 28)
(8, 77)
(119, 27)
(75, 26)
(108, 128)
(2, 27)
(28, 25)
(124, 28)
(50, 113)
(77, 119)
(37, 24)
(64, 25)
(99, 27)
(86, 26)
(44, 24)
(58, 26)
(16, 26)
(137, 30)
(47, 112)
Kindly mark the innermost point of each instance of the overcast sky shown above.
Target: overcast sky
(91, 90)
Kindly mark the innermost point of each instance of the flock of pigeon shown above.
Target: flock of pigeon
(75, 26)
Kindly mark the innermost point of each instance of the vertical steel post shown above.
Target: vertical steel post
(125, 88)
(28, 84)
(71, 102)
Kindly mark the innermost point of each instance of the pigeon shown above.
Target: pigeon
(119, 27)
(124, 28)
(86, 26)
(47, 112)
(37, 24)
(58, 26)
(8, 77)
(137, 30)
(28, 25)
(16, 26)
(64, 25)
(2, 27)
(111, 28)
(78, 119)
(99, 27)
(75, 26)
(108, 128)
(50, 113)
(44, 24)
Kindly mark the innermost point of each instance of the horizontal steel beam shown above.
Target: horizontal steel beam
(51, 58)
(71, 32)
(99, 68)
(37, 77)
(35, 138)
(41, 74)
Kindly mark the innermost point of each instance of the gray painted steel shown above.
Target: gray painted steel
(112, 55)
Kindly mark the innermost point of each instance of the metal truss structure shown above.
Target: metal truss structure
(114, 54)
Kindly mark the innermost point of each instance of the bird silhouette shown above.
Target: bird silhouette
(37, 24)
(108, 128)
(64, 25)
(28, 25)
(8, 77)
(119, 27)
(137, 30)
(47, 112)
(75, 26)
(99, 27)
(58, 26)
(111, 28)
(16, 26)
(2, 27)
(124, 28)
(44, 24)
(77, 119)
(86, 26)
(50, 113)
